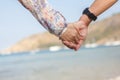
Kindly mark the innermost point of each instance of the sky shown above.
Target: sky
(17, 23)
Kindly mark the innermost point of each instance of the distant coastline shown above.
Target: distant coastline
(104, 32)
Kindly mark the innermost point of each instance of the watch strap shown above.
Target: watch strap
(89, 14)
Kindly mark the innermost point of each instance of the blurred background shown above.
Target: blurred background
(29, 52)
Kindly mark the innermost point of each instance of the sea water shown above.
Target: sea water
(102, 63)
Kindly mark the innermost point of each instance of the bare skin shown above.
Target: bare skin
(97, 8)
(78, 38)
(76, 32)
(69, 34)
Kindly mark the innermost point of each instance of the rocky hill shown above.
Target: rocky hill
(105, 30)
(99, 32)
(34, 42)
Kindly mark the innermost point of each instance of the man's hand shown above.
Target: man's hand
(75, 35)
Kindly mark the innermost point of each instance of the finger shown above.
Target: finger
(79, 45)
(66, 36)
(70, 44)
(83, 28)
(81, 31)
(77, 28)
(77, 37)
(66, 44)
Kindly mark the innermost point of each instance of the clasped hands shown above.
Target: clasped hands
(75, 35)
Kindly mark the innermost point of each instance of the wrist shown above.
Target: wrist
(84, 18)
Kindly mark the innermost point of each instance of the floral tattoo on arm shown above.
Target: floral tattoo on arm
(49, 18)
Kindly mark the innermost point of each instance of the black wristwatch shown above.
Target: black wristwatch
(89, 14)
